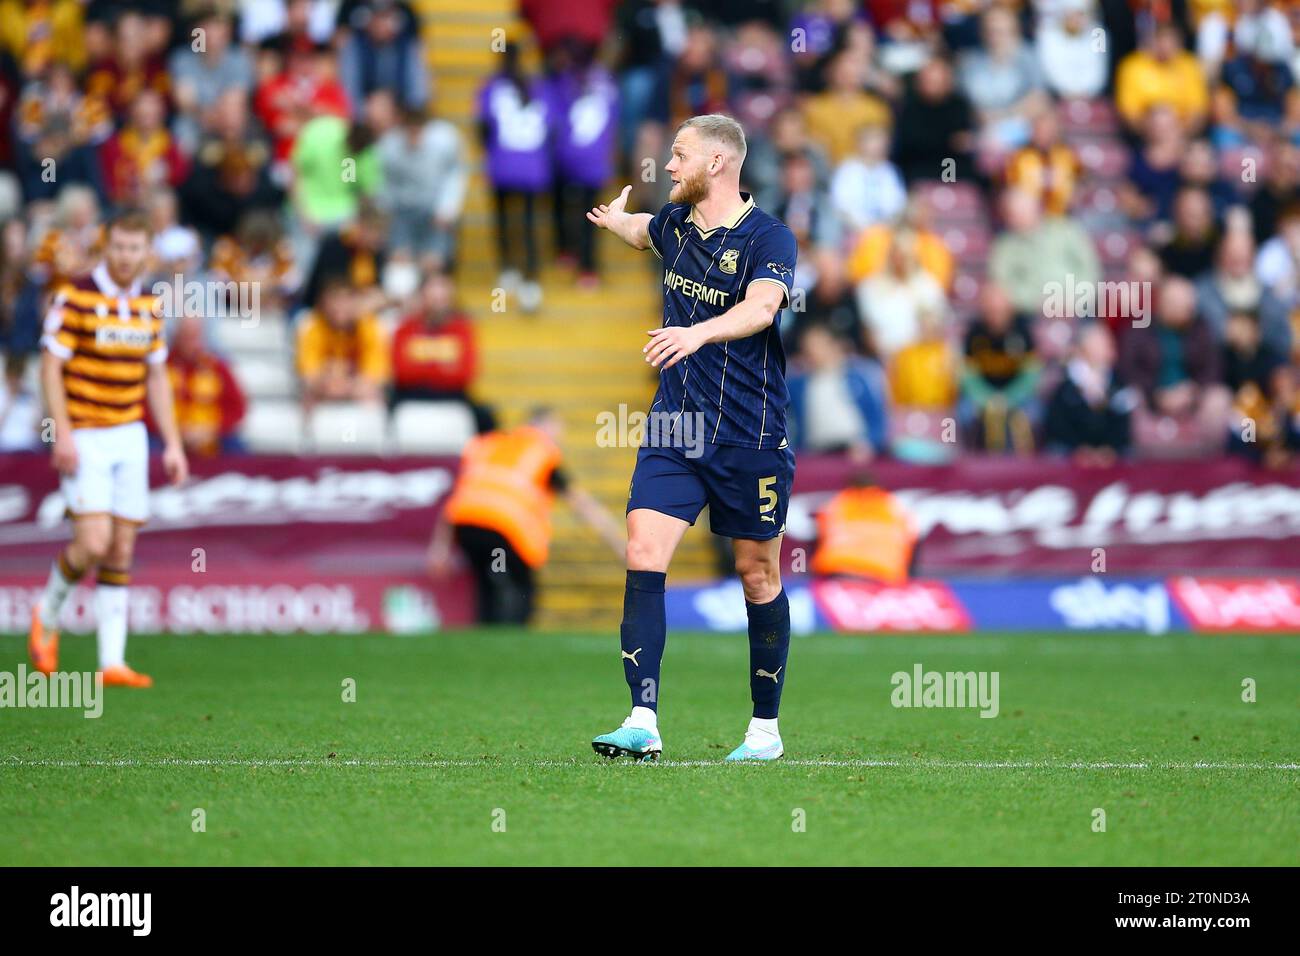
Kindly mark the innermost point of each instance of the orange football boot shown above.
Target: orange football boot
(123, 676)
(43, 645)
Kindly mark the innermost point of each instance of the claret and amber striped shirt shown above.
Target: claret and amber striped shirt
(105, 336)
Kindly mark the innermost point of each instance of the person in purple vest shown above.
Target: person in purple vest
(584, 116)
(514, 124)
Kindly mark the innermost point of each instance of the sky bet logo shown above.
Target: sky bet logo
(103, 909)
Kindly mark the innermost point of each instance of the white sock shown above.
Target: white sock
(110, 608)
(645, 718)
(57, 589)
(763, 727)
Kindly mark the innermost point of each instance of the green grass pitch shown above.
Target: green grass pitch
(472, 748)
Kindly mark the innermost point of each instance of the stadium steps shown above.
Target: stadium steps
(580, 353)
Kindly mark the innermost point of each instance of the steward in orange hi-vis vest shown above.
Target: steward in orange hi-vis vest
(504, 485)
(864, 532)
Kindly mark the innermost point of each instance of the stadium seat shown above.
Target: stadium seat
(268, 335)
(431, 428)
(263, 377)
(951, 201)
(1105, 159)
(273, 427)
(1095, 116)
(348, 428)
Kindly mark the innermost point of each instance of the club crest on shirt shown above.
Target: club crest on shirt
(728, 261)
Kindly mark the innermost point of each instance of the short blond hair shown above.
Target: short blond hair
(721, 129)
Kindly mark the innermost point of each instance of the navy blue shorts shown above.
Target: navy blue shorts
(747, 489)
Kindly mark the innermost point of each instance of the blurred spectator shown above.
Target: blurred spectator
(304, 84)
(935, 129)
(514, 123)
(1046, 167)
(585, 20)
(424, 178)
(176, 247)
(131, 63)
(866, 188)
(1189, 251)
(653, 34)
(1003, 82)
(697, 82)
(1162, 73)
(21, 410)
(257, 254)
(322, 198)
(837, 400)
(1255, 373)
(1200, 168)
(1233, 287)
(1072, 49)
(232, 170)
(1154, 171)
(1243, 26)
(356, 254)
(1175, 363)
(835, 116)
(209, 66)
(584, 113)
(893, 300)
(20, 317)
(767, 154)
(923, 374)
(1089, 410)
(804, 206)
(342, 354)
(761, 76)
(1278, 263)
(870, 252)
(72, 244)
(142, 157)
(39, 34)
(1036, 252)
(57, 124)
(383, 52)
(209, 402)
(1279, 189)
(435, 357)
(999, 401)
(1259, 77)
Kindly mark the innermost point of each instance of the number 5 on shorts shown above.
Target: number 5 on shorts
(767, 496)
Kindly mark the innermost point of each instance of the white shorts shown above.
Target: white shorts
(112, 472)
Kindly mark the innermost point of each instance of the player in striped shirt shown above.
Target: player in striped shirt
(716, 434)
(103, 358)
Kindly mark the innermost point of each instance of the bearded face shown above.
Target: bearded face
(690, 189)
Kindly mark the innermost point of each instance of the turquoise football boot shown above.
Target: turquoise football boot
(635, 742)
(755, 747)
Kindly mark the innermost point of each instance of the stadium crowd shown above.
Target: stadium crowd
(1062, 226)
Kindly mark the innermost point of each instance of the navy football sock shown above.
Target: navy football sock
(769, 644)
(643, 634)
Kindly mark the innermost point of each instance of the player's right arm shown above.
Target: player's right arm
(64, 458)
(632, 227)
(57, 344)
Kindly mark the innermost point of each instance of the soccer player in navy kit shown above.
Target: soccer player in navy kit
(716, 434)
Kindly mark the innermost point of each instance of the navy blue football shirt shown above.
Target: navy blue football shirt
(736, 388)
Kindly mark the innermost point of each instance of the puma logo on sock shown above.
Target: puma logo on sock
(631, 657)
(762, 673)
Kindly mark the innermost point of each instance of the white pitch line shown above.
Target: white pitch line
(433, 764)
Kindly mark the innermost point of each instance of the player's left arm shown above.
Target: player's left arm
(158, 393)
(766, 294)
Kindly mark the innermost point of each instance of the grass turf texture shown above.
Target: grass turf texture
(449, 728)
